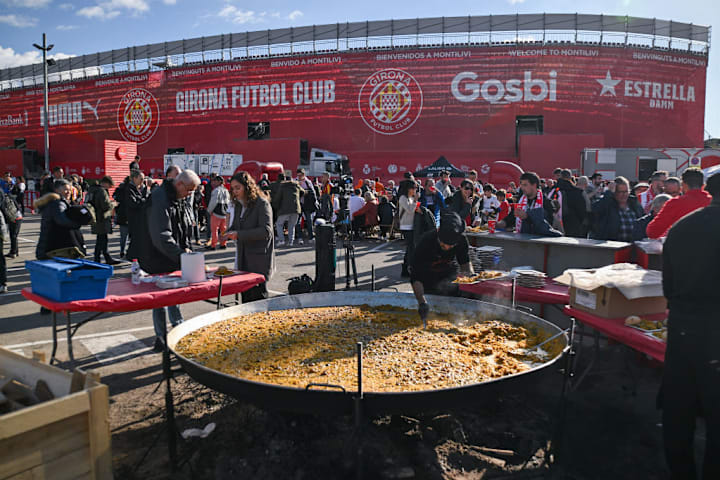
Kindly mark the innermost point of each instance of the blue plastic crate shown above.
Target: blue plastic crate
(66, 279)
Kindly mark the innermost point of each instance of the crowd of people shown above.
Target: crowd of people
(582, 207)
(159, 221)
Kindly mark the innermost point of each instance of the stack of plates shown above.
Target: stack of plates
(530, 278)
(484, 258)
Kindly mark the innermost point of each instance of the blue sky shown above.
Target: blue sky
(85, 26)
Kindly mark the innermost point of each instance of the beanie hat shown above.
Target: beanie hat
(451, 228)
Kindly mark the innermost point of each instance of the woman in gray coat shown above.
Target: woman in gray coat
(252, 227)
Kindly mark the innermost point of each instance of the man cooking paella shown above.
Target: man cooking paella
(431, 266)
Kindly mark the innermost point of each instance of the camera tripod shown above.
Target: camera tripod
(349, 250)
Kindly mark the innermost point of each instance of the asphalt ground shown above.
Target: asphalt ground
(130, 336)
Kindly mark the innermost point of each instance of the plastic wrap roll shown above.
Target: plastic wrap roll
(193, 267)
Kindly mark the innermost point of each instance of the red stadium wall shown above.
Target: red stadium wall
(544, 153)
(389, 111)
(117, 158)
(11, 161)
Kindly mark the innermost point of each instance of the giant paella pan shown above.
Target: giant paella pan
(297, 353)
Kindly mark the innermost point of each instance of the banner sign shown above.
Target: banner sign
(387, 111)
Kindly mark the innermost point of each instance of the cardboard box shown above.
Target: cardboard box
(611, 303)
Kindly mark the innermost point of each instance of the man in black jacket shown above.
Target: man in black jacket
(57, 230)
(121, 214)
(691, 377)
(463, 201)
(615, 214)
(48, 185)
(3, 231)
(431, 263)
(309, 204)
(569, 203)
(168, 231)
(136, 194)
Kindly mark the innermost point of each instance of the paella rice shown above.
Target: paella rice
(317, 345)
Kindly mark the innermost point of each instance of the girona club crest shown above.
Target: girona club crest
(390, 101)
(138, 115)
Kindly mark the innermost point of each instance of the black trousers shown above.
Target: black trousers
(691, 388)
(409, 248)
(307, 215)
(258, 292)
(3, 265)
(358, 223)
(14, 228)
(101, 247)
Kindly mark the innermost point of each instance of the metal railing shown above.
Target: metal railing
(490, 30)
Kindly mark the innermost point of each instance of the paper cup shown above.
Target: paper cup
(491, 226)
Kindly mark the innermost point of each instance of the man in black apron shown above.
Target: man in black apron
(691, 379)
(431, 266)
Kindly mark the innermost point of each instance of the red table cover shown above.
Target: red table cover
(615, 329)
(123, 296)
(551, 293)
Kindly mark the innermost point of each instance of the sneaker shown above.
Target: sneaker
(209, 247)
(301, 242)
(113, 261)
(222, 247)
(279, 243)
(3, 288)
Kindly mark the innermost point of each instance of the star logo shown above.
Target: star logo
(608, 84)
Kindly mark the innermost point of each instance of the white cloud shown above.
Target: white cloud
(66, 6)
(240, 16)
(169, 2)
(97, 12)
(514, 2)
(112, 8)
(18, 20)
(11, 58)
(237, 15)
(27, 3)
(67, 27)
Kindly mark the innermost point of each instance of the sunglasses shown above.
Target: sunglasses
(468, 189)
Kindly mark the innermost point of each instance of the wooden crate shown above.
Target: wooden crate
(67, 437)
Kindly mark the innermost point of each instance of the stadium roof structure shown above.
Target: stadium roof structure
(489, 30)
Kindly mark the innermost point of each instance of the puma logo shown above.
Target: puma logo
(94, 110)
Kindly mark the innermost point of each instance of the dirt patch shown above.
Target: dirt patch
(505, 437)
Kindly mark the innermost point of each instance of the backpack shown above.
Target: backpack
(90, 205)
(423, 221)
(326, 207)
(9, 208)
(302, 284)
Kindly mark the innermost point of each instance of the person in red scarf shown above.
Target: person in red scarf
(694, 198)
(534, 212)
(657, 186)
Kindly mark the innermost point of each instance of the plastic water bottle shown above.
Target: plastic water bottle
(135, 272)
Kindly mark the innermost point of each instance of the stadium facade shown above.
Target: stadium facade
(391, 95)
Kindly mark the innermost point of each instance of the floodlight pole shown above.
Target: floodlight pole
(45, 48)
